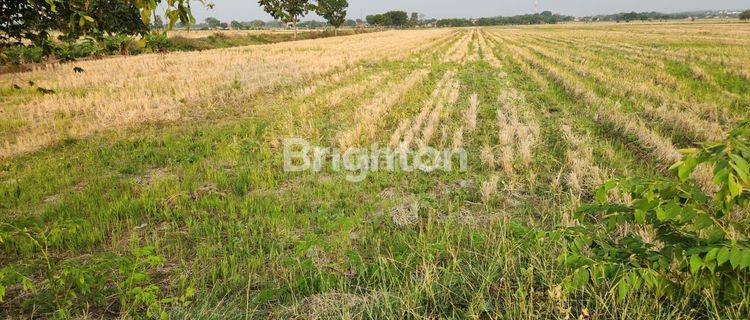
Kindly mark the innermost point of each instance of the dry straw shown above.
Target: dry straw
(123, 92)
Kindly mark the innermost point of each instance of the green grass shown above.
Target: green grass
(253, 241)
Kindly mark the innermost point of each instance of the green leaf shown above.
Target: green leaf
(146, 15)
(711, 255)
(695, 264)
(622, 290)
(735, 189)
(711, 265)
(672, 210)
(735, 257)
(601, 195)
(722, 256)
(741, 167)
(581, 278)
(51, 4)
(686, 168)
(634, 281)
(702, 221)
(640, 216)
(720, 174)
(649, 278)
(745, 262)
(661, 214)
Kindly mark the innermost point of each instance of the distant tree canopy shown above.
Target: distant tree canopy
(632, 16)
(546, 17)
(745, 15)
(255, 24)
(274, 24)
(334, 11)
(389, 19)
(647, 16)
(288, 11)
(213, 22)
(312, 24)
(453, 23)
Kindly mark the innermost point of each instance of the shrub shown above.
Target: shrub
(158, 42)
(118, 43)
(745, 15)
(24, 54)
(671, 237)
(67, 286)
(86, 48)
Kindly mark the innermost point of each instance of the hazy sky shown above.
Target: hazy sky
(245, 10)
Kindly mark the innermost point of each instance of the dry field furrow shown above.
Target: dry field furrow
(610, 113)
(123, 92)
(367, 116)
(688, 121)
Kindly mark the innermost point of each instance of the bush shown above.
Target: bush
(86, 48)
(119, 43)
(745, 15)
(24, 54)
(158, 42)
(672, 237)
(63, 287)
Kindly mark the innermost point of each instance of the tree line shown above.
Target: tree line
(401, 19)
(214, 23)
(546, 17)
(656, 16)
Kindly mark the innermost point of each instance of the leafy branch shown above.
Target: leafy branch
(670, 237)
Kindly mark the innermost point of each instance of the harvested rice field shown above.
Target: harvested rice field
(242, 182)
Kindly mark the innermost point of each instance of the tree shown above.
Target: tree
(256, 24)
(377, 20)
(390, 18)
(745, 15)
(213, 23)
(455, 22)
(236, 25)
(273, 24)
(32, 20)
(115, 17)
(289, 11)
(312, 24)
(158, 23)
(414, 20)
(397, 18)
(334, 11)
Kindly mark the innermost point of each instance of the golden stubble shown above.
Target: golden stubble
(122, 92)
